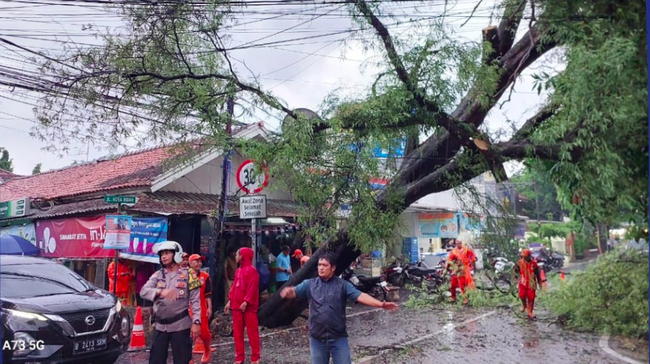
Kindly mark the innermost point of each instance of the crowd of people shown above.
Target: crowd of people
(181, 296)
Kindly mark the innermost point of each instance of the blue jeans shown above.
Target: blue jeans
(321, 350)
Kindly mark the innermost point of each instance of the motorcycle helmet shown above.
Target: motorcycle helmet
(173, 246)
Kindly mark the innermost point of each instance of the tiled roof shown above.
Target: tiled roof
(5, 175)
(175, 203)
(130, 170)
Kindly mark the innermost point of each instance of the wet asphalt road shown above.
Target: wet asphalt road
(442, 334)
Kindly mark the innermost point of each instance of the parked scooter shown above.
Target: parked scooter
(395, 274)
(374, 286)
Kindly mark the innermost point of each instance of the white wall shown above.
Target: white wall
(207, 179)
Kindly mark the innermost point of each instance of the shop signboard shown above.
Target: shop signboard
(438, 225)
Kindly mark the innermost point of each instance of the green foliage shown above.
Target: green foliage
(6, 163)
(603, 96)
(37, 169)
(610, 296)
(544, 195)
(561, 230)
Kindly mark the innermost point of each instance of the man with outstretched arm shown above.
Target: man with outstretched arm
(327, 296)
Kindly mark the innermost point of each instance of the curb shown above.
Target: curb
(604, 344)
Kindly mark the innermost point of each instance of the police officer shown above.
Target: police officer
(172, 290)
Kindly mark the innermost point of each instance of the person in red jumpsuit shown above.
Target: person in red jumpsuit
(124, 276)
(196, 261)
(243, 301)
(528, 281)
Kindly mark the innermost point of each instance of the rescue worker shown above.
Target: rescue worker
(244, 302)
(529, 279)
(196, 262)
(172, 290)
(458, 280)
(468, 257)
(124, 276)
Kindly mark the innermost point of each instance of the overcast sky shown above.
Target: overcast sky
(300, 73)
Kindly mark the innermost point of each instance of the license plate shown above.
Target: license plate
(383, 284)
(354, 280)
(89, 345)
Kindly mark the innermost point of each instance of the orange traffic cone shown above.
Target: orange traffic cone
(543, 275)
(137, 335)
(199, 347)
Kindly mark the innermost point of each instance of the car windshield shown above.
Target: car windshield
(34, 280)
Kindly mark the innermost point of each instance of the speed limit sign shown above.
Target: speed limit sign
(251, 180)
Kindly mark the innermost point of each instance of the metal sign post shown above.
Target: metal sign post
(253, 207)
(254, 239)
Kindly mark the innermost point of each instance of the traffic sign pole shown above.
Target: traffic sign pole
(117, 256)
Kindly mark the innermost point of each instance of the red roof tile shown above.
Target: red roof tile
(5, 175)
(131, 170)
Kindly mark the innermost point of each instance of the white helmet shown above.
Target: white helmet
(173, 246)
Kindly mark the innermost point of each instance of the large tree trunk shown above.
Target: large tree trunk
(280, 312)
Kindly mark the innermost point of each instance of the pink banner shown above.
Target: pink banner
(73, 238)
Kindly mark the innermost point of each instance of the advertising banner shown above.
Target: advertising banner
(72, 238)
(438, 225)
(145, 234)
(27, 231)
(118, 232)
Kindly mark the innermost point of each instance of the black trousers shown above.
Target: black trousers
(181, 347)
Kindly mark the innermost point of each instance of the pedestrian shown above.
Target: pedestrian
(327, 297)
(529, 279)
(196, 262)
(300, 256)
(172, 290)
(283, 267)
(229, 268)
(244, 302)
(124, 277)
(185, 263)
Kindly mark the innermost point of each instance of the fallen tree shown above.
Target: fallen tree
(171, 76)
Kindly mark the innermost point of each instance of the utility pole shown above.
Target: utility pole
(218, 260)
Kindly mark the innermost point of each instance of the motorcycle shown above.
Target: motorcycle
(433, 277)
(395, 274)
(374, 286)
(547, 261)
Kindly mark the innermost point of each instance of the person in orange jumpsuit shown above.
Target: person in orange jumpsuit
(462, 258)
(124, 276)
(203, 278)
(529, 279)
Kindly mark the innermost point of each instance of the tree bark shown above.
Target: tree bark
(280, 312)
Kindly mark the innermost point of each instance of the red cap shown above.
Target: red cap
(297, 252)
(525, 253)
(196, 256)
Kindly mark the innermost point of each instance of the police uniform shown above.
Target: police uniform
(172, 318)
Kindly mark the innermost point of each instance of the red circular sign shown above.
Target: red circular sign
(248, 178)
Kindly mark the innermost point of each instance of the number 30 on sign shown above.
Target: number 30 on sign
(249, 179)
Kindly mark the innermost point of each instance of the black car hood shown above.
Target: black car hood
(63, 303)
